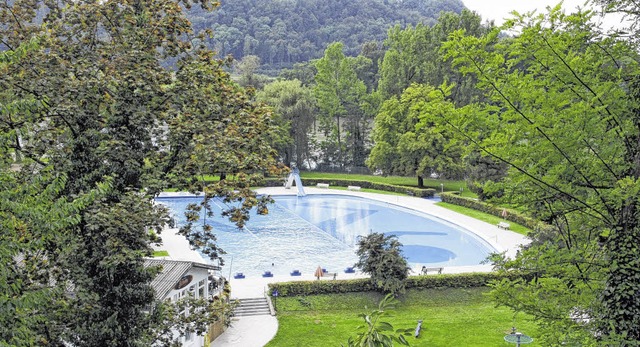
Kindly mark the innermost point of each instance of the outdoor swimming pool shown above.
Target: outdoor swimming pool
(304, 232)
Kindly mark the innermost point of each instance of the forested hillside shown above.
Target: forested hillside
(283, 32)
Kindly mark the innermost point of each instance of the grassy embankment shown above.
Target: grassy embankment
(451, 317)
(447, 185)
(485, 217)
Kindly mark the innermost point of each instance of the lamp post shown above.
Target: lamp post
(275, 297)
(441, 187)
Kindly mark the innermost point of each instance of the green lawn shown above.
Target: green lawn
(367, 190)
(160, 253)
(451, 317)
(489, 218)
(448, 185)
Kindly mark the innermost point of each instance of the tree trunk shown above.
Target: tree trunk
(288, 157)
(339, 143)
(420, 182)
(620, 297)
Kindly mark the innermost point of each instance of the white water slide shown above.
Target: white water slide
(295, 175)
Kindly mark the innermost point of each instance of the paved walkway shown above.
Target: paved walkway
(257, 331)
(251, 331)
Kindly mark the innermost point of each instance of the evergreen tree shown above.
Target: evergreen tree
(381, 258)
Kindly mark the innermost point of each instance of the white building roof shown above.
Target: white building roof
(172, 271)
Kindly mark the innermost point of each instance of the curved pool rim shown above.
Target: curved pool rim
(472, 225)
(417, 206)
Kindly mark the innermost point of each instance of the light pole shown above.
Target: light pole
(275, 297)
(441, 188)
(230, 266)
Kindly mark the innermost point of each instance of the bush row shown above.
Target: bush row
(481, 206)
(321, 287)
(467, 280)
(421, 193)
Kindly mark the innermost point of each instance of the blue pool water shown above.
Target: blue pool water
(304, 232)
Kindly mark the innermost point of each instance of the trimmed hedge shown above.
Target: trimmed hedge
(321, 287)
(421, 193)
(466, 280)
(478, 205)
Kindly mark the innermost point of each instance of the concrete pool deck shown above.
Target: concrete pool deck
(256, 331)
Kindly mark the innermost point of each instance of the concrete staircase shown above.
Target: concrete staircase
(252, 307)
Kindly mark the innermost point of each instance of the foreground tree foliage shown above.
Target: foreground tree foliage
(380, 256)
(377, 332)
(93, 126)
(564, 115)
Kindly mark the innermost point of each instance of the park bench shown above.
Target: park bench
(353, 187)
(322, 185)
(504, 225)
(329, 274)
(426, 270)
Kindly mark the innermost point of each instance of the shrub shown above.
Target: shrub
(467, 280)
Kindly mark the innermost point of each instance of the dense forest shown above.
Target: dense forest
(348, 113)
(284, 32)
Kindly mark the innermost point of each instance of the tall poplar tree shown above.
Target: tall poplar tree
(339, 94)
(413, 56)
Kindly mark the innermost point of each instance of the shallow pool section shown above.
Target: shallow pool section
(300, 233)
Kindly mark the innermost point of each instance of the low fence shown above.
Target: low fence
(216, 329)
